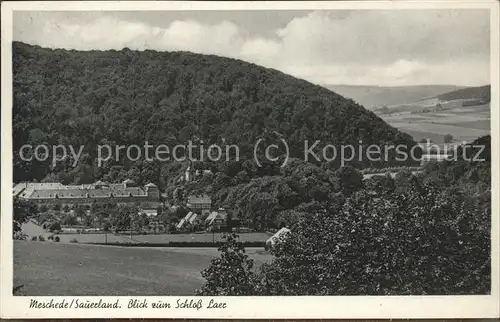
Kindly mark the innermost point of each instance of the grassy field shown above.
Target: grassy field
(57, 269)
(463, 123)
(33, 230)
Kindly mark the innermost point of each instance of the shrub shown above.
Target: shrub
(55, 227)
(50, 238)
(34, 238)
(19, 235)
(74, 241)
(231, 273)
(56, 239)
(449, 249)
(41, 238)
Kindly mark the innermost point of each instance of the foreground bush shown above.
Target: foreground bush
(73, 240)
(41, 238)
(231, 274)
(422, 240)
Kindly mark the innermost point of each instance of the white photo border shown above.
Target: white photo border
(353, 307)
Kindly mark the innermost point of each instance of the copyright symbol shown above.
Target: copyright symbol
(268, 152)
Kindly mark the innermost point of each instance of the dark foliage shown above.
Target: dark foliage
(231, 274)
(130, 97)
(425, 234)
(481, 92)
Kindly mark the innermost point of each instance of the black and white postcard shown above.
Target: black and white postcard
(250, 159)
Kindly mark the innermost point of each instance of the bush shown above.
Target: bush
(34, 238)
(50, 238)
(56, 239)
(74, 241)
(19, 235)
(41, 238)
(427, 242)
(55, 227)
(231, 273)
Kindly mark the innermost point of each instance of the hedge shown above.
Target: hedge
(181, 244)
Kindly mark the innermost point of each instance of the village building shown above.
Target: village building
(190, 174)
(156, 225)
(201, 204)
(426, 158)
(277, 237)
(216, 220)
(99, 192)
(190, 220)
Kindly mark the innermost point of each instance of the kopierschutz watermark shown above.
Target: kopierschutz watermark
(313, 151)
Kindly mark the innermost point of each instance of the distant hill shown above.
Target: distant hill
(481, 92)
(372, 97)
(128, 97)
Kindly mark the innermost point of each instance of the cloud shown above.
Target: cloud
(388, 47)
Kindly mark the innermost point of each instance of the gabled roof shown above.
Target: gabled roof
(192, 219)
(278, 236)
(128, 181)
(84, 193)
(181, 223)
(193, 199)
(214, 215)
(188, 215)
(151, 185)
(150, 212)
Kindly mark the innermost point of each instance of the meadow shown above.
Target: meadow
(57, 269)
(32, 229)
(463, 123)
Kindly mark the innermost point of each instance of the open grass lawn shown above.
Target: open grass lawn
(163, 238)
(202, 237)
(32, 229)
(57, 269)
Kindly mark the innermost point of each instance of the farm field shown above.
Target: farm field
(463, 123)
(56, 269)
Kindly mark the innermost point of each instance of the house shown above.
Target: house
(190, 174)
(156, 226)
(201, 204)
(149, 212)
(216, 220)
(277, 238)
(57, 193)
(194, 219)
(190, 219)
(181, 223)
(426, 158)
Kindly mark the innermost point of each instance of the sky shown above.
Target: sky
(354, 47)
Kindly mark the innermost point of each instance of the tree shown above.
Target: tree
(23, 210)
(106, 226)
(350, 179)
(363, 248)
(80, 211)
(69, 220)
(230, 274)
(56, 226)
(448, 138)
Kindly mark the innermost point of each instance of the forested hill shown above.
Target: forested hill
(481, 92)
(129, 97)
